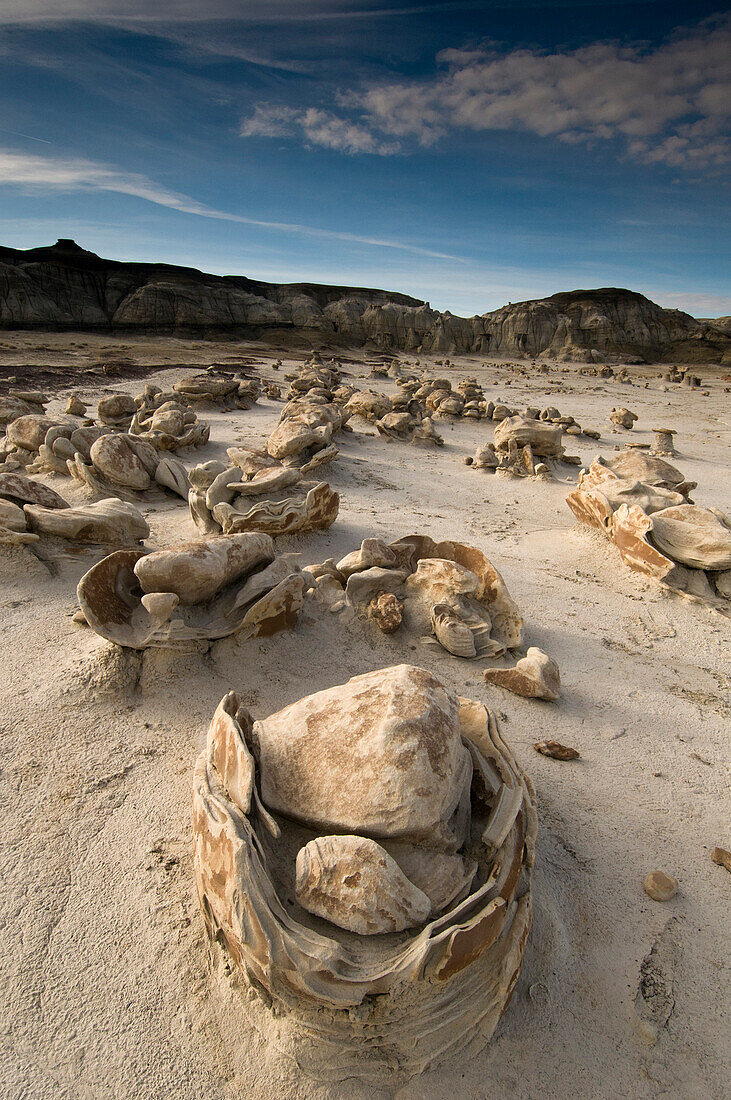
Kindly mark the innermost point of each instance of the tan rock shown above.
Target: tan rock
(197, 570)
(291, 438)
(115, 408)
(697, 537)
(12, 518)
(722, 858)
(463, 629)
(659, 886)
(75, 406)
(114, 457)
(29, 431)
(354, 883)
(316, 511)
(110, 521)
(543, 438)
(623, 418)
(23, 490)
(387, 611)
(536, 676)
(433, 987)
(381, 754)
(556, 750)
(365, 586)
(371, 406)
(444, 877)
(372, 552)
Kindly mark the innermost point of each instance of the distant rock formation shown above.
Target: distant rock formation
(65, 287)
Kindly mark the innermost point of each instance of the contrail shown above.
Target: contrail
(30, 137)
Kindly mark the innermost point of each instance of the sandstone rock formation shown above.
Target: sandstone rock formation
(66, 287)
(446, 588)
(127, 451)
(206, 589)
(527, 444)
(225, 498)
(110, 522)
(353, 882)
(391, 954)
(536, 676)
(29, 509)
(655, 528)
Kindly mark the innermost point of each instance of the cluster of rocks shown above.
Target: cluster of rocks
(225, 393)
(201, 590)
(395, 818)
(642, 504)
(445, 589)
(314, 413)
(227, 498)
(29, 510)
(522, 438)
(408, 415)
(127, 450)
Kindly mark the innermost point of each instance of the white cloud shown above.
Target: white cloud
(270, 120)
(119, 12)
(668, 104)
(665, 105)
(38, 173)
(315, 126)
(699, 305)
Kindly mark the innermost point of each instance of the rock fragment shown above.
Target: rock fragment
(722, 858)
(536, 676)
(556, 750)
(354, 883)
(659, 886)
(387, 611)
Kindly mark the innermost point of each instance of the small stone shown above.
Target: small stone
(556, 750)
(75, 406)
(80, 618)
(659, 886)
(722, 858)
(387, 611)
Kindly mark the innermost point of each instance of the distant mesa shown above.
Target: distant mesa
(64, 287)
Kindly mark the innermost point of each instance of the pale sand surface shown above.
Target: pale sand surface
(108, 986)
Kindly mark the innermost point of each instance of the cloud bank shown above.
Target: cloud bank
(666, 105)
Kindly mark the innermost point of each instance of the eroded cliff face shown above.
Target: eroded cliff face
(66, 287)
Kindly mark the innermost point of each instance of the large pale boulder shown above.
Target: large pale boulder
(23, 490)
(29, 431)
(114, 457)
(381, 754)
(197, 570)
(698, 537)
(543, 438)
(113, 522)
(291, 437)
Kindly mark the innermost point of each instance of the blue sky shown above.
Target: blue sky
(469, 153)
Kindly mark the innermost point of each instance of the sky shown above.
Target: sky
(467, 153)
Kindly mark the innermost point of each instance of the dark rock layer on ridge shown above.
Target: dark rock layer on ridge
(64, 287)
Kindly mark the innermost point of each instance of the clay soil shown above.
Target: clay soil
(108, 984)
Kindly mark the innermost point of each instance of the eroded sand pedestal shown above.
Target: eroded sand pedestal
(397, 1002)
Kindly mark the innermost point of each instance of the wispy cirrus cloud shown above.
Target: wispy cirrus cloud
(57, 174)
(315, 126)
(664, 105)
(193, 11)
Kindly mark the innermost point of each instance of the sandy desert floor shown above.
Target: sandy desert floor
(109, 987)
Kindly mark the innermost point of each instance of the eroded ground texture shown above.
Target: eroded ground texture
(109, 987)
